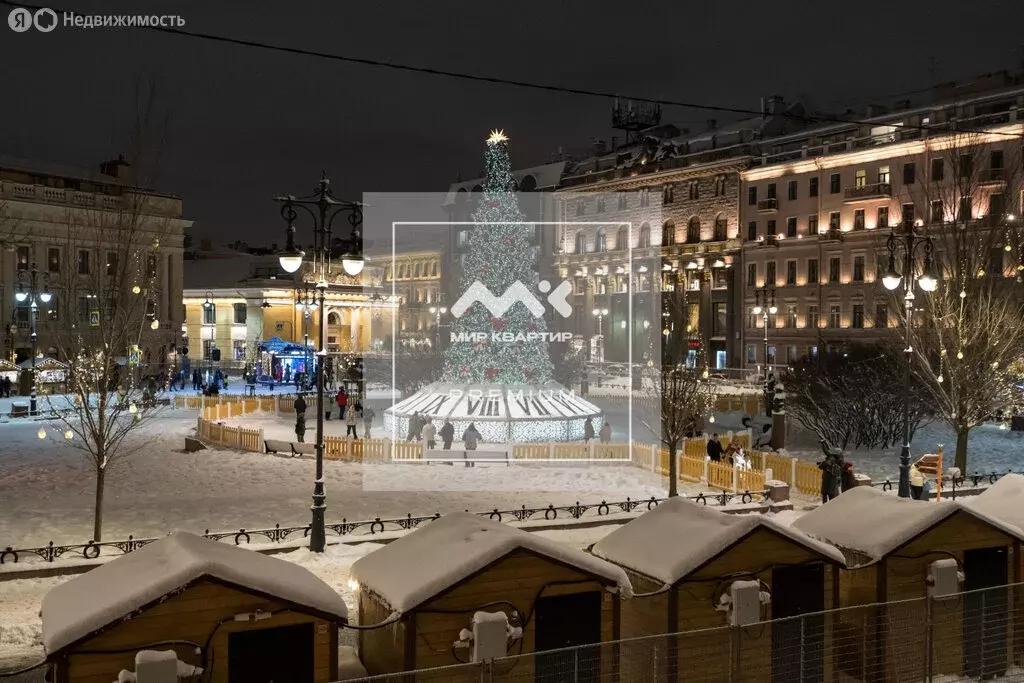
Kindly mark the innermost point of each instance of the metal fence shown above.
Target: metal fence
(967, 636)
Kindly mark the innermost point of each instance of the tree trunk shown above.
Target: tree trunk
(673, 473)
(961, 450)
(97, 520)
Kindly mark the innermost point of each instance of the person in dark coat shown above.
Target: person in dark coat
(849, 481)
(831, 474)
(714, 449)
(300, 418)
(588, 430)
(447, 434)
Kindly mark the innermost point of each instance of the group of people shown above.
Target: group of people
(604, 436)
(5, 387)
(352, 413)
(422, 428)
(731, 454)
(836, 474)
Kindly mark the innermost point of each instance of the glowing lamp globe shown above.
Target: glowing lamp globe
(20, 296)
(773, 309)
(757, 310)
(928, 282)
(291, 261)
(132, 409)
(136, 289)
(68, 434)
(891, 280)
(352, 264)
(155, 325)
(45, 297)
(41, 433)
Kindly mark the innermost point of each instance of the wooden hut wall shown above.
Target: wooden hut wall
(382, 650)
(192, 615)
(645, 616)
(519, 578)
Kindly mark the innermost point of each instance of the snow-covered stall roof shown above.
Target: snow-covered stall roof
(88, 603)
(414, 568)
(677, 537)
(1003, 500)
(873, 523)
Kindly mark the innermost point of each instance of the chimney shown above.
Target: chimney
(712, 124)
(113, 168)
(600, 147)
(775, 105)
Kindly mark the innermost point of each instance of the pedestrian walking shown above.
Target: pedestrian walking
(916, 481)
(605, 434)
(300, 418)
(415, 426)
(714, 449)
(447, 434)
(831, 473)
(368, 416)
(429, 432)
(849, 480)
(588, 430)
(342, 401)
(351, 420)
(471, 437)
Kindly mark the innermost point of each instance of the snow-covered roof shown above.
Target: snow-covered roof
(873, 523)
(1003, 500)
(111, 591)
(679, 536)
(414, 568)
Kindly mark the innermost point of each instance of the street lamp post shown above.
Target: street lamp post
(33, 287)
(322, 208)
(905, 244)
(765, 306)
(600, 313)
(305, 301)
(437, 312)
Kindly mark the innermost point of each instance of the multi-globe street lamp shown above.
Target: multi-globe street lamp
(600, 313)
(906, 244)
(34, 288)
(764, 305)
(322, 208)
(437, 312)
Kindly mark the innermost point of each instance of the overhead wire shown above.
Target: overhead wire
(518, 83)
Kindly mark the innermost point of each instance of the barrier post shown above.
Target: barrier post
(735, 478)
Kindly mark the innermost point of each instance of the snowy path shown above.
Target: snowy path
(46, 488)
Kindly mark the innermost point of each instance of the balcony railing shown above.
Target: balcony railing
(992, 176)
(868, 192)
(831, 235)
(768, 205)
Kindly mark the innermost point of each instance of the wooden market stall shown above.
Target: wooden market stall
(10, 371)
(430, 587)
(1004, 501)
(898, 549)
(250, 615)
(53, 376)
(684, 558)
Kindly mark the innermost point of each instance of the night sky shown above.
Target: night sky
(248, 123)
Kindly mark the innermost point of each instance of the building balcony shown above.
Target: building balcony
(831, 235)
(768, 241)
(992, 177)
(866, 193)
(768, 205)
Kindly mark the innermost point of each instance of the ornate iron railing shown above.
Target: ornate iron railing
(977, 479)
(372, 527)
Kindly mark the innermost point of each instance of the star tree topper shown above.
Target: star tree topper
(497, 136)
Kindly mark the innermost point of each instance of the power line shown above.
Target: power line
(494, 80)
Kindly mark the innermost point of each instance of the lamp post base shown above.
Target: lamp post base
(904, 486)
(317, 531)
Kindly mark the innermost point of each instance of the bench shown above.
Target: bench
(163, 401)
(275, 446)
(192, 445)
(303, 448)
(19, 410)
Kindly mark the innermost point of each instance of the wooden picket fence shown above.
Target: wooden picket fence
(238, 438)
(223, 407)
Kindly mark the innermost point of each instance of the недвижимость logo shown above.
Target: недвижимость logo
(517, 293)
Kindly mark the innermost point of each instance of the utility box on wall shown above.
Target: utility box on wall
(943, 578)
(490, 635)
(745, 598)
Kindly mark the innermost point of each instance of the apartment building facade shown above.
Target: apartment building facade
(816, 209)
(67, 222)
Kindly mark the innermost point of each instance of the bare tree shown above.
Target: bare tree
(847, 398)
(967, 334)
(112, 289)
(682, 390)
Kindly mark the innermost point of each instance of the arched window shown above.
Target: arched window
(580, 243)
(668, 234)
(645, 237)
(602, 240)
(621, 239)
(693, 230)
(333, 318)
(528, 184)
(721, 228)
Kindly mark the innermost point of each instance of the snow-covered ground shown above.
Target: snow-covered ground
(989, 449)
(46, 487)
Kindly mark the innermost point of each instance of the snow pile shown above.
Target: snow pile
(1004, 500)
(349, 665)
(89, 602)
(678, 536)
(870, 522)
(416, 567)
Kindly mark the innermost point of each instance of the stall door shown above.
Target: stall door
(271, 655)
(798, 645)
(567, 621)
(986, 612)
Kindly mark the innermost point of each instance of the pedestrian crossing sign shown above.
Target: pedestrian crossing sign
(134, 355)
(94, 318)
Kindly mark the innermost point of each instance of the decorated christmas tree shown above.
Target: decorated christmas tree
(510, 347)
